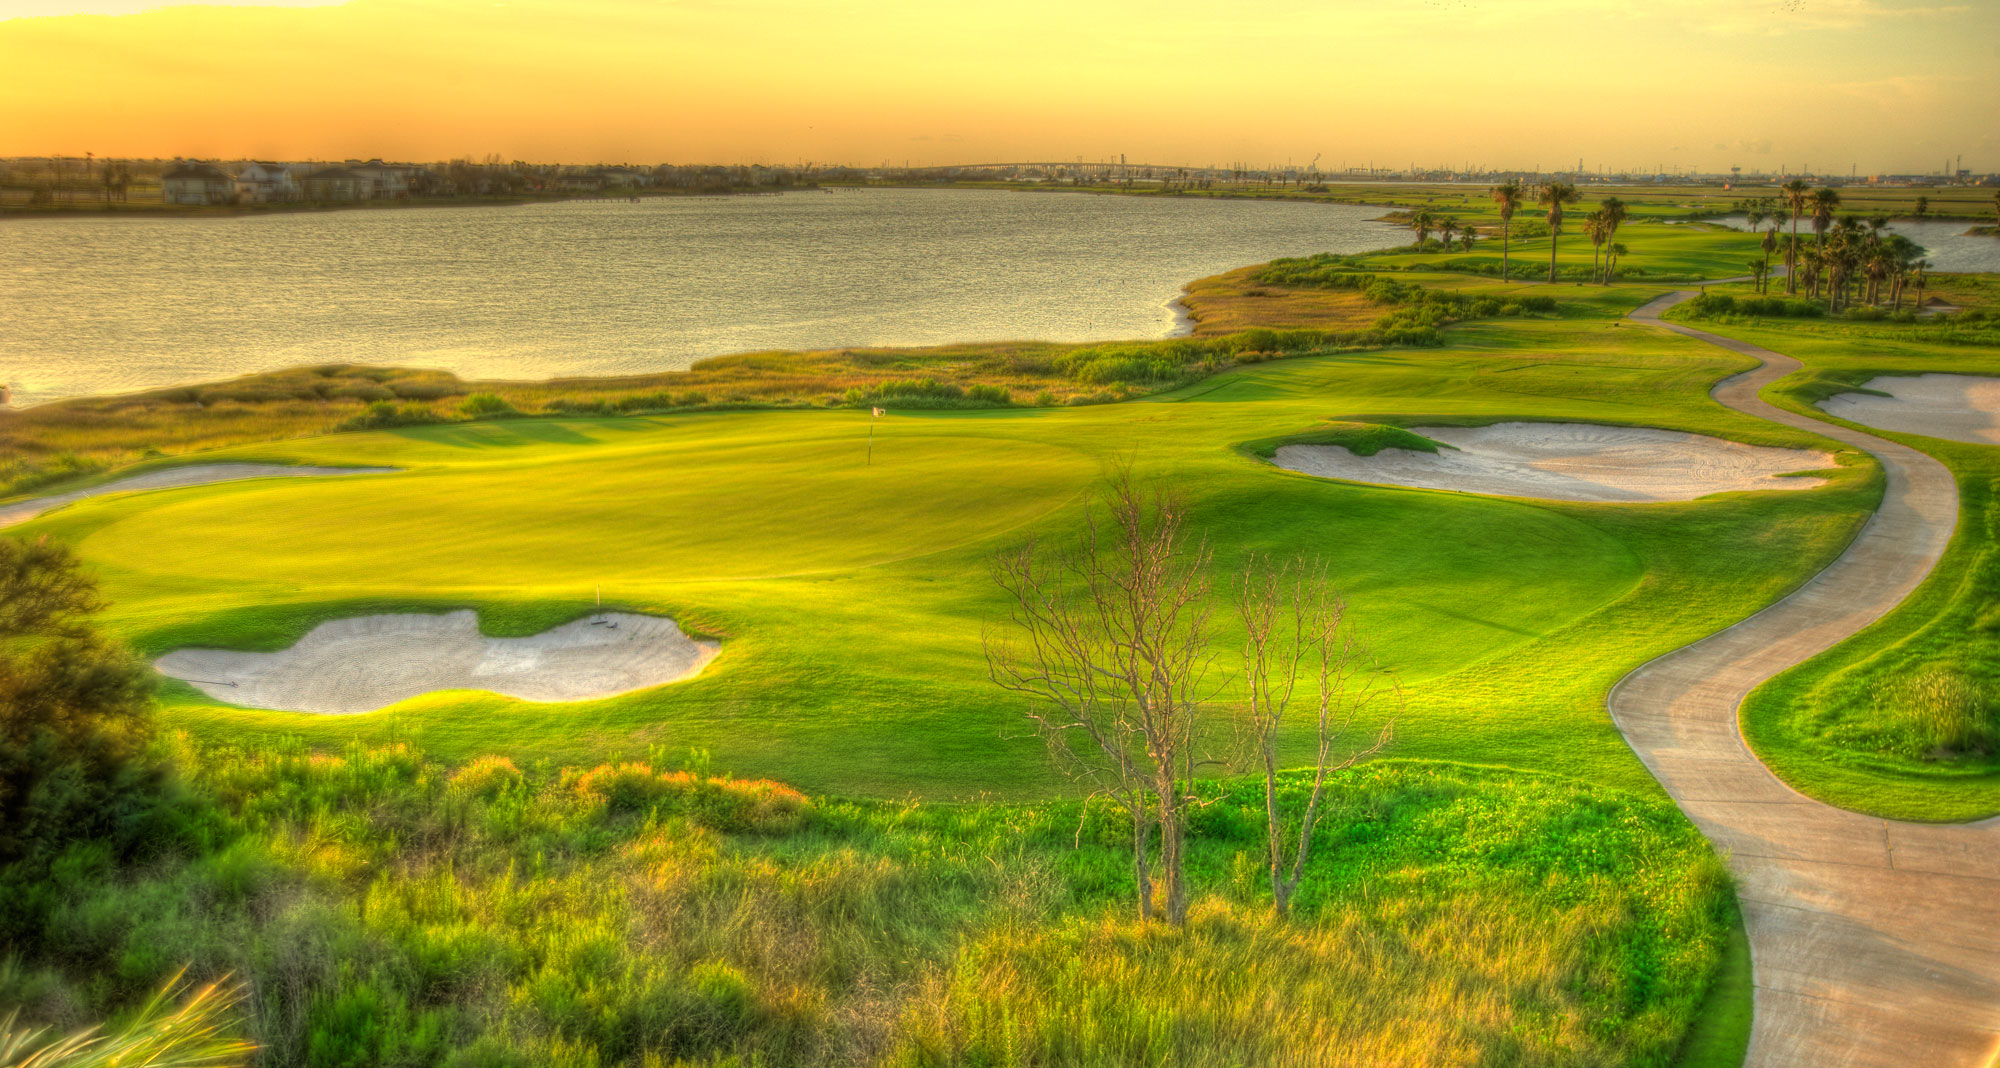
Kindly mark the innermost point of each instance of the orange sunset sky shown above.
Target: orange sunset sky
(1882, 85)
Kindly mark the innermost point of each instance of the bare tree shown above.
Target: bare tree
(1109, 642)
(1295, 624)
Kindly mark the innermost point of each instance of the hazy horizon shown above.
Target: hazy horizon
(1876, 86)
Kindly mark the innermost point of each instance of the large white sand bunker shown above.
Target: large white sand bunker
(172, 478)
(1957, 407)
(1568, 462)
(371, 662)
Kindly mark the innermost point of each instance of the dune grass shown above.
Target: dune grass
(387, 909)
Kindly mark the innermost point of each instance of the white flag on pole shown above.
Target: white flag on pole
(878, 413)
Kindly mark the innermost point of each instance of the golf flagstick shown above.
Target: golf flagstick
(874, 414)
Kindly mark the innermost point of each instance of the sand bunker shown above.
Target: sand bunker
(1957, 407)
(171, 478)
(1568, 462)
(371, 662)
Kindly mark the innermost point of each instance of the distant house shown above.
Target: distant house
(333, 184)
(196, 183)
(381, 181)
(266, 183)
(580, 183)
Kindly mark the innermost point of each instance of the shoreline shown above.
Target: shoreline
(239, 211)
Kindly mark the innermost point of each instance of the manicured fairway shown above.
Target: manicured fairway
(850, 598)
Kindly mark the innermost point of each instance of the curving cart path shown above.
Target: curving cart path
(1873, 942)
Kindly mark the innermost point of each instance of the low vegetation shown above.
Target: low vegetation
(385, 909)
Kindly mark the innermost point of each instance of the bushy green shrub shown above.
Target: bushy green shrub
(487, 777)
(1945, 710)
(735, 806)
(486, 406)
(383, 415)
(76, 714)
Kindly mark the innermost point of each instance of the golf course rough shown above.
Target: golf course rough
(366, 663)
(1567, 462)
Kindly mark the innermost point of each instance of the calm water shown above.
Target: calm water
(1946, 244)
(594, 287)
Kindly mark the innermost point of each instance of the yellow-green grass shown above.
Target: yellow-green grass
(387, 909)
(851, 598)
(1823, 725)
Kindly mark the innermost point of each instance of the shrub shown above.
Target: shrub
(624, 787)
(487, 777)
(995, 395)
(735, 806)
(76, 712)
(486, 406)
(383, 415)
(1946, 710)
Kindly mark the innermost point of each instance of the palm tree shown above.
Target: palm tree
(1613, 210)
(1880, 265)
(1595, 229)
(1759, 268)
(1823, 203)
(1446, 228)
(1795, 192)
(1769, 243)
(1555, 195)
(1508, 195)
(1611, 254)
(1920, 273)
(1422, 221)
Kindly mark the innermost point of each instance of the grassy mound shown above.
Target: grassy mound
(389, 909)
(1361, 439)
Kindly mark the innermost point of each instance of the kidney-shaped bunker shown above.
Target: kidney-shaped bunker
(1567, 462)
(370, 662)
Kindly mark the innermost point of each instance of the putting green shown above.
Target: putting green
(853, 597)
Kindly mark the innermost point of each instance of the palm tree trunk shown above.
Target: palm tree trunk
(1791, 258)
(1506, 239)
(1552, 255)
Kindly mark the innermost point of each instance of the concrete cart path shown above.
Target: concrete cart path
(1872, 942)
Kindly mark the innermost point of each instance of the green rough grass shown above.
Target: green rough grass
(1828, 726)
(388, 910)
(850, 598)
